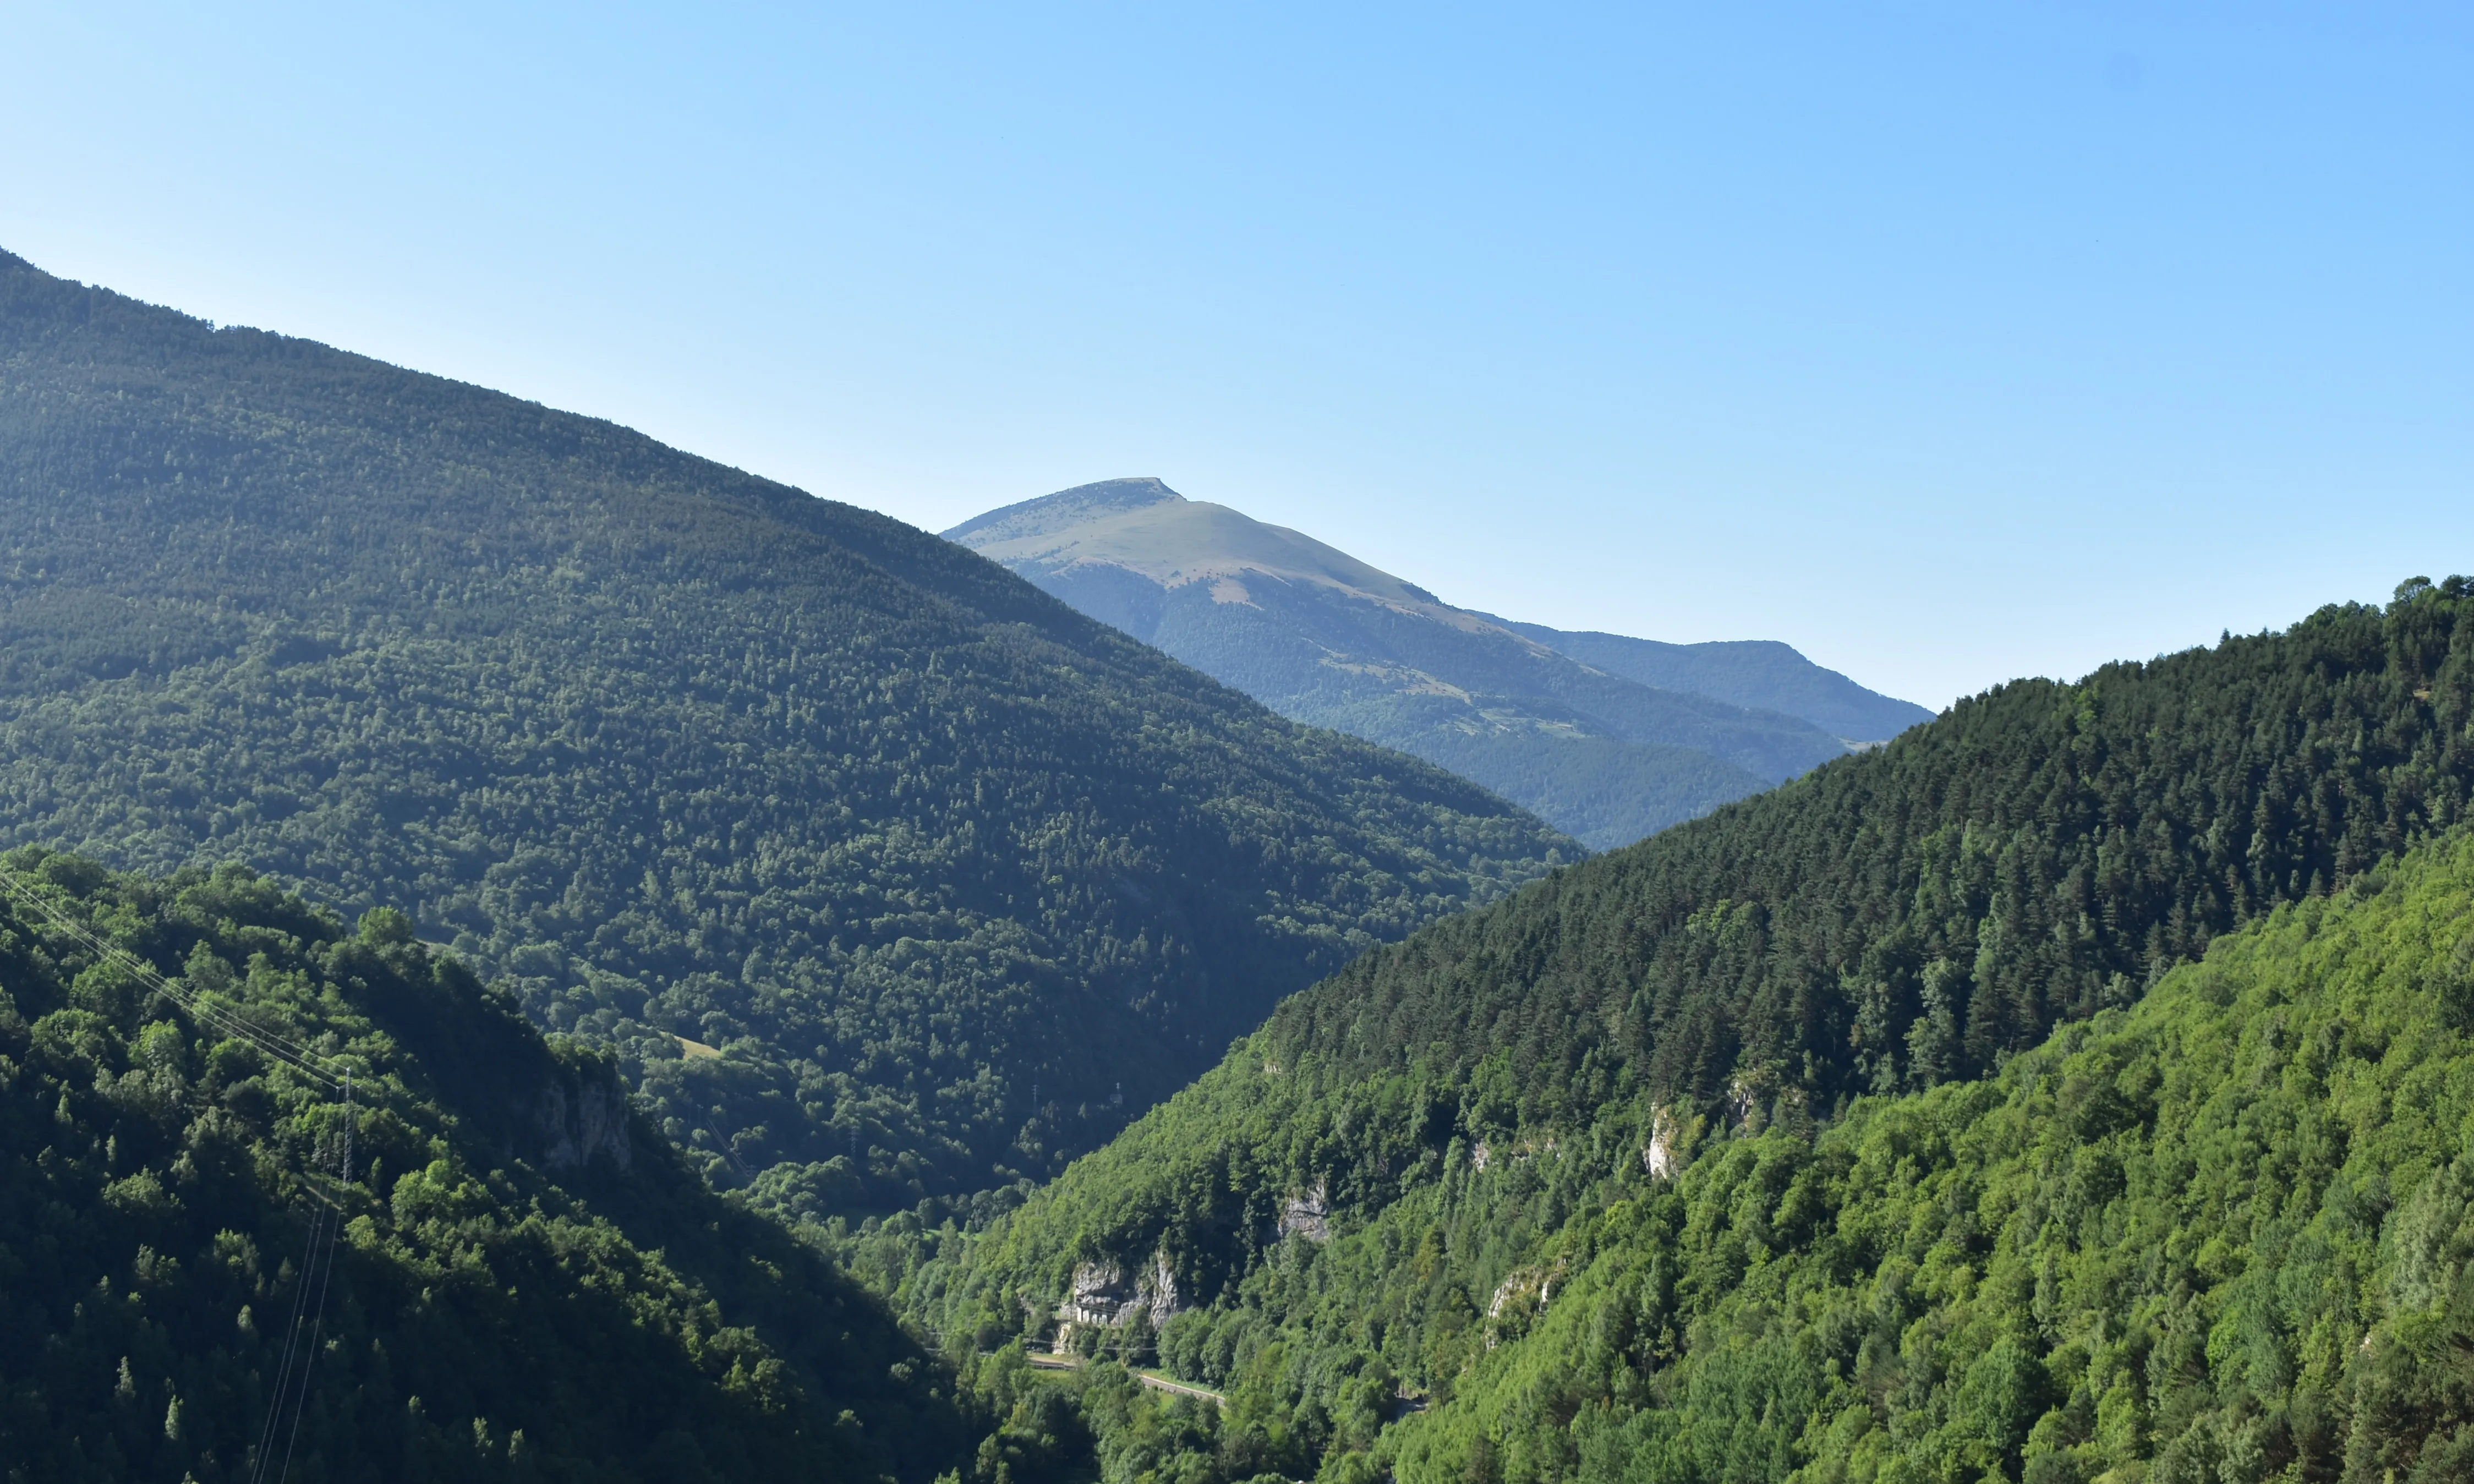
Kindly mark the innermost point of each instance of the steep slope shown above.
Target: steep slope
(2224, 1236)
(1900, 920)
(1324, 637)
(887, 875)
(1759, 673)
(518, 1279)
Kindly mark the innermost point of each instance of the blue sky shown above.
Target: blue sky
(1946, 342)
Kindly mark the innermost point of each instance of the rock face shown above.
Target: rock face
(1742, 1100)
(1518, 1299)
(1166, 1300)
(1307, 1215)
(1659, 1156)
(578, 1123)
(1100, 1295)
(1104, 1295)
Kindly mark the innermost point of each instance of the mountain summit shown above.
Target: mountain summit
(1063, 510)
(1143, 526)
(1572, 726)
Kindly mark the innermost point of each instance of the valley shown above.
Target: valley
(529, 955)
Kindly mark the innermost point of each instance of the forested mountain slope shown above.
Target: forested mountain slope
(1324, 638)
(2222, 1237)
(936, 865)
(1900, 920)
(529, 1281)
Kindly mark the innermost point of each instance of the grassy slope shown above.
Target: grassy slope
(1575, 753)
(1760, 673)
(1324, 638)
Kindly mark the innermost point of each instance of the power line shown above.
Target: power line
(318, 1275)
(318, 1324)
(229, 1022)
(327, 1216)
(267, 1430)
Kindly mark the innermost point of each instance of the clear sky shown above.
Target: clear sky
(1947, 342)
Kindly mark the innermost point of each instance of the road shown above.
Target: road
(1050, 1361)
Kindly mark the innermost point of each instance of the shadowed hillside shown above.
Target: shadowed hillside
(513, 1277)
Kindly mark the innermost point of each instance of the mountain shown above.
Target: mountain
(1370, 1197)
(1761, 675)
(516, 1278)
(887, 876)
(1324, 638)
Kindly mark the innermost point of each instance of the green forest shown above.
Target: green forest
(793, 977)
(516, 1290)
(885, 876)
(1913, 918)
(2224, 1235)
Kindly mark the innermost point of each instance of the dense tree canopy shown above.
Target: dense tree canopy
(1904, 919)
(1905, 916)
(886, 875)
(526, 1281)
(2221, 1238)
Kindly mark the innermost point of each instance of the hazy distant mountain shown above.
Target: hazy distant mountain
(1322, 636)
(1762, 674)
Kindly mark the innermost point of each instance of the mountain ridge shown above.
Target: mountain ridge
(1101, 524)
(1326, 638)
(1763, 675)
(679, 751)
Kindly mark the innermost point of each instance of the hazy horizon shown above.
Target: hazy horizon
(1944, 346)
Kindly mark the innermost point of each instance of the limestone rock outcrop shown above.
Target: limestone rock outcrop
(1104, 1295)
(576, 1124)
(1307, 1215)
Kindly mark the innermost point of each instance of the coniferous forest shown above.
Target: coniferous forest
(815, 1006)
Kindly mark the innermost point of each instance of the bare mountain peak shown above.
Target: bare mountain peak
(1146, 529)
(1053, 513)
